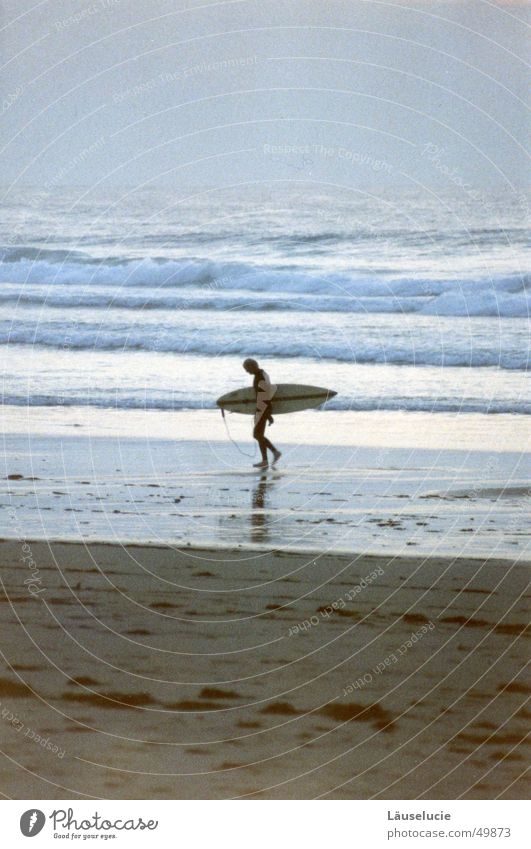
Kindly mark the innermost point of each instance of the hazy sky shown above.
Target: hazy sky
(185, 93)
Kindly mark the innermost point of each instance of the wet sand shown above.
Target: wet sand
(152, 672)
(393, 484)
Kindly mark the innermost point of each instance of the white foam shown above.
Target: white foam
(211, 283)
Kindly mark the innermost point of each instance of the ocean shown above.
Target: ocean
(150, 299)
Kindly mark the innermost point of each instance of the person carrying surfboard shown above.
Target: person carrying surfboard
(264, 391)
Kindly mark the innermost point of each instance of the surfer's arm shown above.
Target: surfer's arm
(265, 393)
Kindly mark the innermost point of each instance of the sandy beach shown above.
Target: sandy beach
(350, 625)
(221, 674)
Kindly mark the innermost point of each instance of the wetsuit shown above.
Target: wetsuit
(265, 391)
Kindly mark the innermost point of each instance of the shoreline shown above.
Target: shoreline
(497, 432)
(380, 495)
(257, 550)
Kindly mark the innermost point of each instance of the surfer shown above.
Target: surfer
(264, 391)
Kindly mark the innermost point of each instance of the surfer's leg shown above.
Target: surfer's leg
(276, 455)
(258, 434)
(263, 441)
(275, 452)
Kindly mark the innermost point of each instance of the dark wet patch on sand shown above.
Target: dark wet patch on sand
(375, 714)
(110, 700)
(16, 599)
(499, 739)
(415, 618)
(281, 709)
(190, 705)
(515, 687)
(506, 756)
(468, 590)
(14, 689)
(524, 713)
(514, 629)
(215, 693)
(161, 605)
(463, 620)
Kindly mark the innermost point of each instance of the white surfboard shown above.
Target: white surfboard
(289, 398)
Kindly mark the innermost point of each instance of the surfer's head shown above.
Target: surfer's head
(250, 365)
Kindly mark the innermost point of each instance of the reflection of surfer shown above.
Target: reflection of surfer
(264, 391)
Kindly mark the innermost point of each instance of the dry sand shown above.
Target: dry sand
(159, 673)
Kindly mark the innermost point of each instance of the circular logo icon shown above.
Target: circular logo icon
(31, 822)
